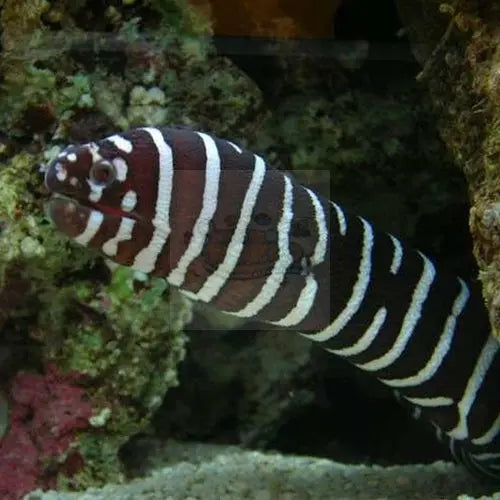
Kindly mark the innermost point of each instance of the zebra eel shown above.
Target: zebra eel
(227, 229)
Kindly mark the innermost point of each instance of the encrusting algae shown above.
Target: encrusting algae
(461, 69)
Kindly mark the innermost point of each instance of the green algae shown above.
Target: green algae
(127, 342)
(55, 297)
(19, 19)
(26, 241)
(137, 345)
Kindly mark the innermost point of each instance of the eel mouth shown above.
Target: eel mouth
(73, 203)
(71, 215)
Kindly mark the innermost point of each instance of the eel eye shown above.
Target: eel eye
(102, 173)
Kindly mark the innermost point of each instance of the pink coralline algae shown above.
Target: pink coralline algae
(46, 413)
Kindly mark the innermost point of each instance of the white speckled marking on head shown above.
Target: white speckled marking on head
(121, 143)
(129, 201)
(93, 149)
(121, 169)
(95, 191)
(61, 172)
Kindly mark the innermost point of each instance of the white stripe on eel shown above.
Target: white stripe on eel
(121, 143)
(410, 320)
(442, 348)
(145, 260)
(396, 256)
(308, 293)
(358, 291)
(485, 456)
(202, 225)
(486, 357)
(274, 280)
(431, 402)
(219, 277)
(93, 224)
(489, 435)
(321, 244)
(365, 341)
(129, 201)
(340, 218)
(234, 146)
(303, 305)
(121, 169)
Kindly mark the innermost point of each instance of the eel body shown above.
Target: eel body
(227, 229)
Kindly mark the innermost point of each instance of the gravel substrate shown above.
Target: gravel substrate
(196, 471)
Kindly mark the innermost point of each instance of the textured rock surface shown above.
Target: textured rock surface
(458, 45)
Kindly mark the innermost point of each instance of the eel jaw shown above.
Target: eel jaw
(69, 216)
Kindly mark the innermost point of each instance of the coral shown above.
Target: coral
(138, 335)
(127, 339)
(147, 106)
(30, 252)
(52, 314)
(58, 303)
(47, 412)
(461, 69)
(20, 19)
